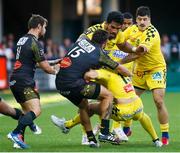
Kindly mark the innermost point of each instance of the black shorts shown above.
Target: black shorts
(23, 94)
(77, 94)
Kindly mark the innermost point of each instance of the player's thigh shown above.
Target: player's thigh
(139, 80)
(23, 94)
(122, 112)
(137, 109)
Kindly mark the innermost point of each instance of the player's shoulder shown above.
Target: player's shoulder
(151, 29)
(24, 40)
(132, 27)
(131, 30)
(95, 27)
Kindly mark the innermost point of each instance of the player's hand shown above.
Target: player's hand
(53, 62)
(141, 50)
(90, 75)
(56, 68)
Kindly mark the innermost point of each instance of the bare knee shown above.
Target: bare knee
(37, 112)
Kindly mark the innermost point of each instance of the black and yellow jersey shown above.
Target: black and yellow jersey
(151, 40)
(28, 52)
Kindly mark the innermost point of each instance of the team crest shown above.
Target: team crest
(66, 62)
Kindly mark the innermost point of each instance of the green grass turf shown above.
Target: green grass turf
(52, 140)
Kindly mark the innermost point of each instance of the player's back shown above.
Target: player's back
(79, 59)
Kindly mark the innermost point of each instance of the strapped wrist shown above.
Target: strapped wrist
(134, 49)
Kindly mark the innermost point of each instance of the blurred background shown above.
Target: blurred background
(68, 19)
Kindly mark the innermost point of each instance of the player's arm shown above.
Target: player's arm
(123, 45)
(132, 56)
(41, 61)
(107, 61)
(54, 62)
(128, 48)
(47, 68)
(129, 58)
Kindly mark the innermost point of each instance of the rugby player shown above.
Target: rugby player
(84, 55)
(29, 53)
(127, 104)
(150, 69)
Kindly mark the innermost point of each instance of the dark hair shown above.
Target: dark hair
(36, 19)
(115, 16)
(100, 36)
(127, 15)
(143, 11)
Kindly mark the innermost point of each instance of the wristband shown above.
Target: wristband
(134, 49)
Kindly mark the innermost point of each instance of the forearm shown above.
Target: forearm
(124, 71)
(47, 68)
(54, 62)
(126, 47)
(129, 58)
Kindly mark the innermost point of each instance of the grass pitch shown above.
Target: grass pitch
(52, 140)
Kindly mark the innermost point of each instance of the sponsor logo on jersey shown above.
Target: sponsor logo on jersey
(66, 62)
(17, 65)
(11, 83)
(119, 54)
(86, 46)
(128, 88)
(22, 41)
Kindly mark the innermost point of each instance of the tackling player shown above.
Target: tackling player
(127, 104)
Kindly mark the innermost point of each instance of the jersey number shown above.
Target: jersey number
(75, 52)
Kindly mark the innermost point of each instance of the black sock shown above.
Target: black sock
(24, 121)
(91, 136)
(17, 115)
(104, 126)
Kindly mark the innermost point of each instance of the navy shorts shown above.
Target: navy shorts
(89, 90)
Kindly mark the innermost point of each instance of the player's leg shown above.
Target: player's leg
(158, 95)
(156, 81)
(148, 126)
(30, 103)
(127, 127)
(117, 129)
(85, 121)
(6, 109)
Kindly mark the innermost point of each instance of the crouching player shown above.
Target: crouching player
(127, 104)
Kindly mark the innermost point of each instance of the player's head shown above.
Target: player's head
(143, 17)
(100, 37)
(128, 20)
(114, 23)
(39, 23)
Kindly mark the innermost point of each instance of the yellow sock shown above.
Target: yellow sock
(127, 123)
(164, 127)
(115, 125)
(148, 126)
(70, 123)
